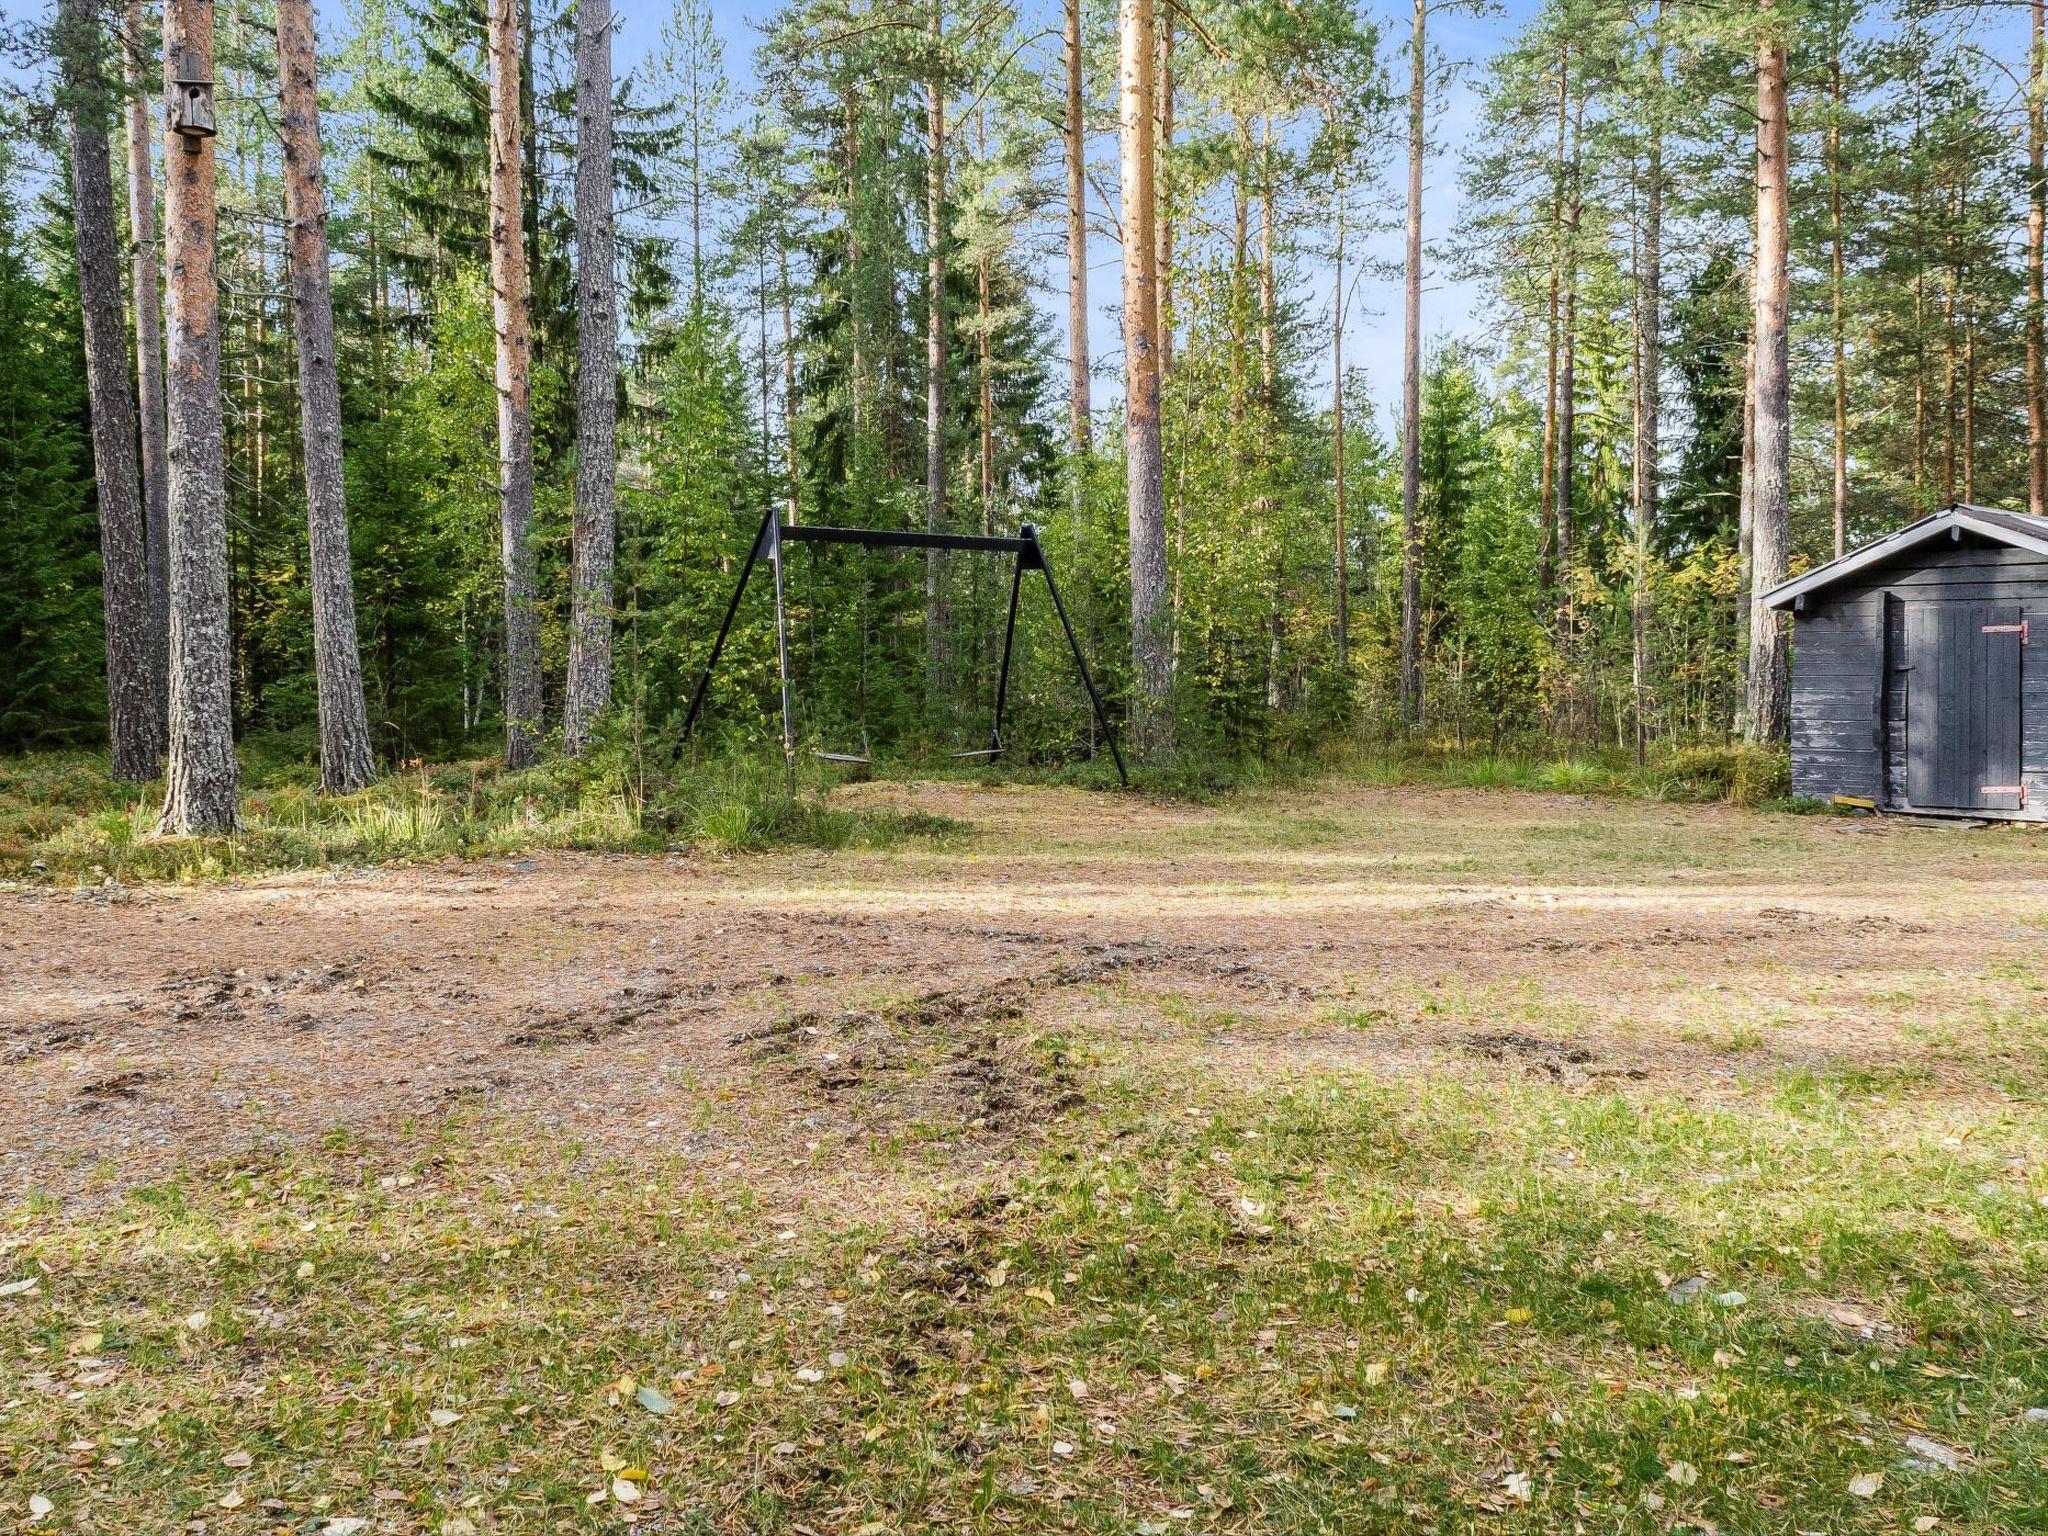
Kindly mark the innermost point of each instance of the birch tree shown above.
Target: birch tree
(595, 537)
(346, 762)
(203, 781)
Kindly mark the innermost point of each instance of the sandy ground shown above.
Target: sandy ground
(734, 1009)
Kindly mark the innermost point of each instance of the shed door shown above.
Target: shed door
(1963, 705)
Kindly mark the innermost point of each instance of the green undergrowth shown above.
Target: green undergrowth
(62, 819)
(1324, 1306)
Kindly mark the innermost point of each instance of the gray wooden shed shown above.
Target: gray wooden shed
(1915, 685)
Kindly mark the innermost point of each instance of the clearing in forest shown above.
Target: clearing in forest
(1349, 1160)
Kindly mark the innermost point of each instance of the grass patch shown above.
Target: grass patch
(63, 820)
(1322, 1307)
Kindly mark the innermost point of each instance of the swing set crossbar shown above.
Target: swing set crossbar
(884, 538)
(1024, 546)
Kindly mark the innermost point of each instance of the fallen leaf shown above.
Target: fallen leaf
(21, 1288)
(726, 1398)
(1376, 1373)
(1519, 1486)
(1683, 1473)
(40, 1507)
(344, 1525)
(1078, 1388)
(237, 1459)
(232, 1500)
(1520, 1314)
(785, 1447)
(1042, 1293)
(1946, 1457)
(1866, 1485)
(1926, 1523)
(653, 1399)
(305, 1269)
(625, 1490)
(444, 1417)
(1062, 1448)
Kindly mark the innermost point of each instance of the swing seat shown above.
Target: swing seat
(854, 758)
(979, 752)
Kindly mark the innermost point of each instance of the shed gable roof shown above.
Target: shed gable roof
(2020, 530)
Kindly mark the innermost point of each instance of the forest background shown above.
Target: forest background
(1574, 561)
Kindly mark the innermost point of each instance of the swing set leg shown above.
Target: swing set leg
(725, 629)
(1081, 662)
(995, 740)
(782, 653)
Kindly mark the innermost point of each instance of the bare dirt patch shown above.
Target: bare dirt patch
(742, 1010)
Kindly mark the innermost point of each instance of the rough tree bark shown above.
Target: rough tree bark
(1769, 654)
(1080, 394)
(1151, 653)
(595, 538)
(145, 272)
(1162, 222)
(1411, 392)
(346, 762)
(134, 727)
(203, 781)
(509, 296)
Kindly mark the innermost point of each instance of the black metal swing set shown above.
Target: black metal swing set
(1023, 547)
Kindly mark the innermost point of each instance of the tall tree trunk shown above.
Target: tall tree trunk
(1837, 305)
(789, 464)
(1151, 657)
(1649, 399)
(203, 781)
(1411, 392)
(595, 538)
(2037, 235)
(1769, 657)
(935, 363)
(346, 763)
(1268, 284)
(1162, 84)
(1568, 383)
(1337, 445)
(145, 273)
(510, 297)
(134, 728)
(1080, 393)
(983, 366)
(1546, 489)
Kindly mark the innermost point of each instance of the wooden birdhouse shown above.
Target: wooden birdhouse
(193, 101)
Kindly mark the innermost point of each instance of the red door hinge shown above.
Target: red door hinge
(2007, 789)
(2019, 629)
